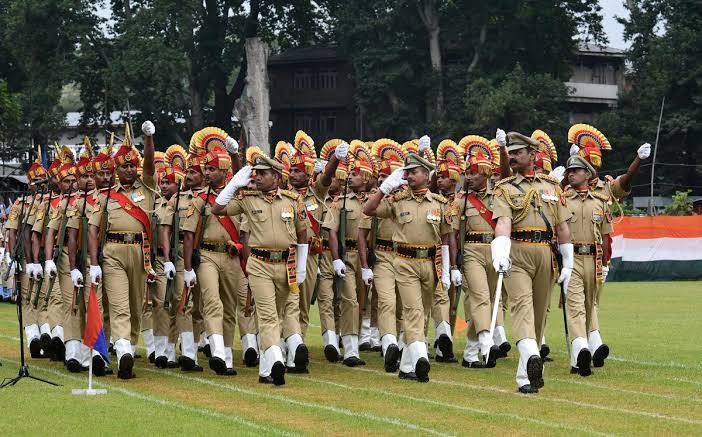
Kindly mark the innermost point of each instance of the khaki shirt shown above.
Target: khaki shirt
(313, 199)
(75, 211)
(274, 219)
(46, 213)
(14, 217)
(142, 193)
(386, 226)
(611, 189)
(590, 218)
(474, 221)
(540, 193)
(420, 219)
(214, 232)
(354, 214)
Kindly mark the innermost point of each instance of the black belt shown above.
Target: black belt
(485, 237)
(584, 249)
(273, 256)
(536, 236)
(124, 237)
(416, 252)
(325, 244)
(215, 247)
(384, 245)
(351, 244)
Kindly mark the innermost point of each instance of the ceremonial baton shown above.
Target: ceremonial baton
(495, 308)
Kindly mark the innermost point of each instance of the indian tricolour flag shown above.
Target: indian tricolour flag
(659, 248)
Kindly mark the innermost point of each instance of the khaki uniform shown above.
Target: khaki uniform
(124, 275)
(30, 316)
(325, 290)
(220, 277)
(313, 198)
(590, 221)
(51, 312)
(352, 282)
(422, 219)
(274, 221)
(530, 281)
(443, 306)
(480, 277)
(389, 307)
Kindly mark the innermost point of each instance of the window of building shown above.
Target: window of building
(305, 121)
(327, 122)
(327, 78)
(302, 79)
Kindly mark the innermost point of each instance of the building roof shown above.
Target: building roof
(595, 50)
(306, 55)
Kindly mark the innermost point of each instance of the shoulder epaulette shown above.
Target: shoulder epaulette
(400, 195)
(250, 193)
(601, 196)
(291, 194)
(505, 180)
(439, 197)
(547, 178)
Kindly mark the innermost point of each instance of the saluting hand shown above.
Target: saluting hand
(148, 128)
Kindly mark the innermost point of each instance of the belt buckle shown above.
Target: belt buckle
(488, 238)
(583, 249)
(422, 253)
(275, 256)
(129, 238)
(537, 235)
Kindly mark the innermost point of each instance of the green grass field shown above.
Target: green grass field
(651, 384)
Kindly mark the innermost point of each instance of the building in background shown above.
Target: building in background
(598, 78)
(312, 89)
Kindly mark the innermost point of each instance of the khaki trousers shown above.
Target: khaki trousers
(198, 320)
(325, 293)
(220, 279)
(30, 316)
(170, 322)
(352, 284)
(385, 288)
(50, 312)
(73, 323)
(528, 286)
(580, 303)
(416, 282)
(269, 284)
(306, 290)
(124, 283)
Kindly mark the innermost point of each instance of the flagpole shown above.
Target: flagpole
(90, 372)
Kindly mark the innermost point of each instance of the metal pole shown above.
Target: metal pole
(653, 163)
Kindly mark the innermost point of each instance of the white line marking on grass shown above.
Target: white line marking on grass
(686, 381)
(289, 400)
(165, 402)
(672, 364)
(540, 397)
(556, 425)
(626, 390)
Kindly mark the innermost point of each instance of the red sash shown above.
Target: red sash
(135, 211)
(314, 223)
(91, 200)
(55, 201)
(226, 223)
(482, 209)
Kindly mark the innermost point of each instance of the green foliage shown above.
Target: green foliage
(627, 208)
(681, 204)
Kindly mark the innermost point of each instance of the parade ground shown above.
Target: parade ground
(651, 384)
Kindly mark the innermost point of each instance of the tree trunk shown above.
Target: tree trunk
(429, 14)
(253, 107)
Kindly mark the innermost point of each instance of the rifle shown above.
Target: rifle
(61, 238)
(18, 250)
(21, 243)
(371, 258)
(152, 255)
(42, 257)
(20, 227)
(80, 261)
(195, 263)
(342, 243)
(103, 222)
(173, 255)
(459, 254)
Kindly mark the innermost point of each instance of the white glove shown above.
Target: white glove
(35, 271)
(13, 266)
(456, 278)
(7, 257)
(644, 151)
(605, 272)
(240, 179)
(148, 128)
(339, 268)
(574, 149)
(500, 248)
(318, 166)
(302, 251)
(169, 269)
(231, 145)
(445, 267)
(77, 278)
(189, 278)
(341, 150)
(566, 250)
(367, 276)
(50, 268)
(501, 137)
(95, 274)
(424, 144)
(558, 173)
(392, 182)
